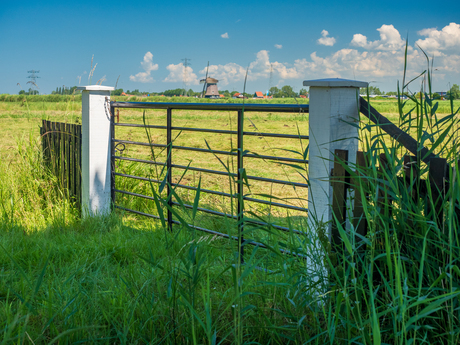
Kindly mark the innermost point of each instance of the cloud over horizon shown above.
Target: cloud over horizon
(363, 59)
(437, 40)
(148, 66)
(390, 39)
(177, 74)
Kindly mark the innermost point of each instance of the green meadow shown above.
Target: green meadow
(126, 279)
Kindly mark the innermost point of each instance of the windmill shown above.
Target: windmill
(210, 85)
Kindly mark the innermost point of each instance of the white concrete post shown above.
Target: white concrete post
(333, 106)
(95, 155)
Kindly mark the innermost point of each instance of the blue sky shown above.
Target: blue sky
(143, 43)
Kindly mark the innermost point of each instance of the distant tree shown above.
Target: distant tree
(454, 92)
(226, 93)
(303, 92)
(22, 92)
(117, 92)
(174, 92)
(373, 90)
(275, 92)
(287, 91)
(391, 93)
(436, 95)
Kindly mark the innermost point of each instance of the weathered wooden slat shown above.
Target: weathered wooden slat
(385, 201)
(61, 153)
(339, 193)
(359, 218)
(67, 158)
(72, 162)
(438, 171)
(78, 161)
(55, 148)
(412, 176)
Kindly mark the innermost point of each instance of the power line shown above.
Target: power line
(33, 76)
(186, 64)
(270, 81)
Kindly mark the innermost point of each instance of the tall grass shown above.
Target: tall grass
(123, 279)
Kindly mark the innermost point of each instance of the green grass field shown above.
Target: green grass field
(126, 279)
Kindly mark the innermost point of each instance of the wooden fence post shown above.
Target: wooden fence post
(96, 152)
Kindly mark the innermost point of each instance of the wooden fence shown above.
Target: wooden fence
(430, 190)
(61, 145)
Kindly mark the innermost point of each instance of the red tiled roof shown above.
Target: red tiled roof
(259, 94)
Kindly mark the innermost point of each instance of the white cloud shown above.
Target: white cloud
(278, 46)
(226, 74)
(258, 69)
(224, 35)
(177, 74)
(446, 39)
(148, 66)
(325, 40)
(380, 60)
(390, 39)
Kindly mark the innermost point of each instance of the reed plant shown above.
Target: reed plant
(124, 279)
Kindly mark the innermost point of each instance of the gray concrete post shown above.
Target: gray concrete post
(95, 159)
(334, 108)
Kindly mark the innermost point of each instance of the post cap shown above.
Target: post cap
(335, 82)
(95, 88)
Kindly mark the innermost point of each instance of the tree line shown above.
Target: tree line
(454, 92)
(284, 92)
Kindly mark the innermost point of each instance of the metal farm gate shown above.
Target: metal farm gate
(121, 155)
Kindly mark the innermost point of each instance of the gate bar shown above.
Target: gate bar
(219, 152)
(112, 155)
(216, 172)
(276, 108)
(240, 184)
(217, 131)
(169, 165)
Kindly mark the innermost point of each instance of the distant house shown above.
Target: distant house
(442, 94)
(303, 96)
(238, 95)
(258, 94)
(221, 96)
